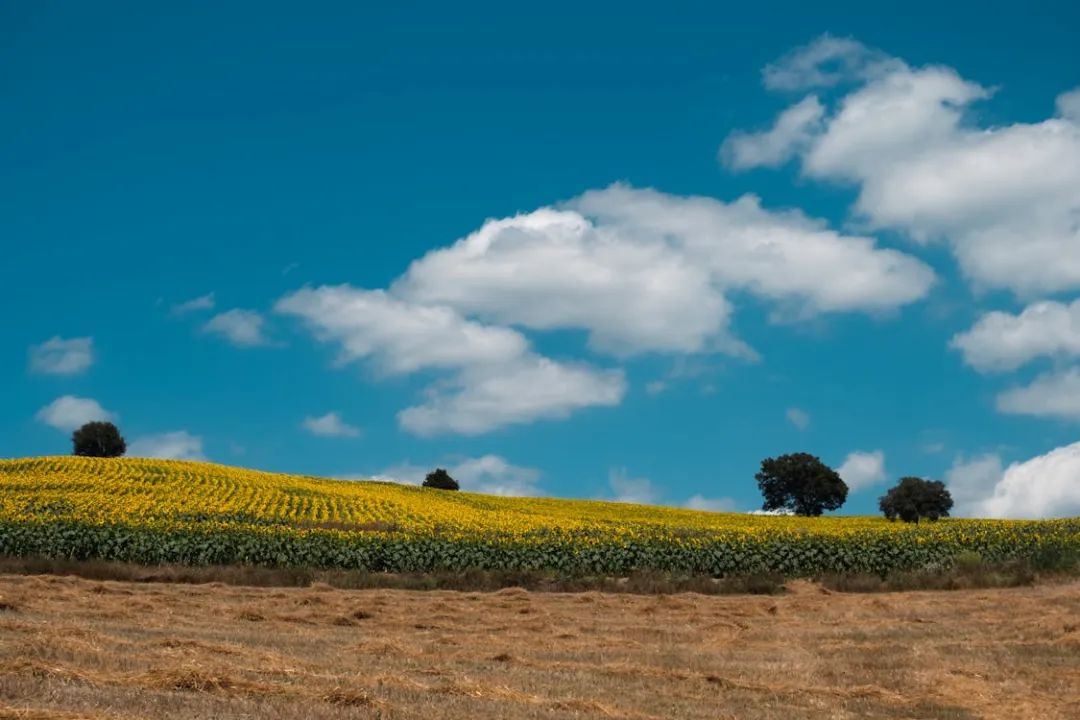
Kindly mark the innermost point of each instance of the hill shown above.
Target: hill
(156, 511)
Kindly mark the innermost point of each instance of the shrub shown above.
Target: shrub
(914, 499)
(801, 483)
(441, 480)
(98, 439)
(1056, 558)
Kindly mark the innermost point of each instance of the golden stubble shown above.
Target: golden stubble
(76, 648)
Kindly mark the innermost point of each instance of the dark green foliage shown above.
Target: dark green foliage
(914, 499)
(801, 483)
(441, 480)
(796, 554)
(98, 439)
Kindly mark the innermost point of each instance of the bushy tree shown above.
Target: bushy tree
(440, 479)
(914, 499)
(801, 483)
(98, 439)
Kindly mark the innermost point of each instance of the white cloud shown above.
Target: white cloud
(880, 126)
(402, 473)
(243, 328)
(1001, 341)
(792, 131)
(863, 469)
(1042, 487)
(488, 397)
(644, 271)
(493, 475)
(69, 412)
(496, 380)
(629, 489)
(970, 481)
(1068, 105)
(1050, 395)
(824, 62)
(638, 270)
(700, 502)
(330, 425)
(178, 445)
(58, 356)
(799, 418)
(203, 302)
(487, 474)
(554, 269)
(398, 336)
(779, 256)
(1005, 198)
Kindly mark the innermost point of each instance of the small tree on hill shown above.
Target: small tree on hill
(441, 480)
(98, 439)
(801, 483)
(914, 498)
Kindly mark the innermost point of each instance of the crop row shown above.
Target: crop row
(794, 554)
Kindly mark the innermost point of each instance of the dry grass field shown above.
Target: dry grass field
(78, 648)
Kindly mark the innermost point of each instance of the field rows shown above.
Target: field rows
(157, 511)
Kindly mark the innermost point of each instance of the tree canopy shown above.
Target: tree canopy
(441, 480)
(914, 499)
(800, 482)
(98, 439)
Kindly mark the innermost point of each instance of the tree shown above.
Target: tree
(914, 498)
(801, 483)
(98, 439)
(441, 480)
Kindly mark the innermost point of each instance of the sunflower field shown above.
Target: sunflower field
(169, 511)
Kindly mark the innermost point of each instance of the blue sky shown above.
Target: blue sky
(716, 235)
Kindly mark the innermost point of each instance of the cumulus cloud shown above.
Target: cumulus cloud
(1068, 105)
(637, 270)
(178, 445)
(1042, 487)
(645, 271)
(493, 475)
(825, 62)
(863, 469)
(484, 398)
(400, 337)
(792, 131)
(628, 489)
(203, 302)
(971, 480)
(799, 418)
(69, 412)
(243, 328)
(403, 473)
(58, 356)
(700, 502)
(487, 474)
(496, 380)
(330, 425)
(555, 269)
(1002, 341)
(1005, 198)
(1055, 394)
(780, 256)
